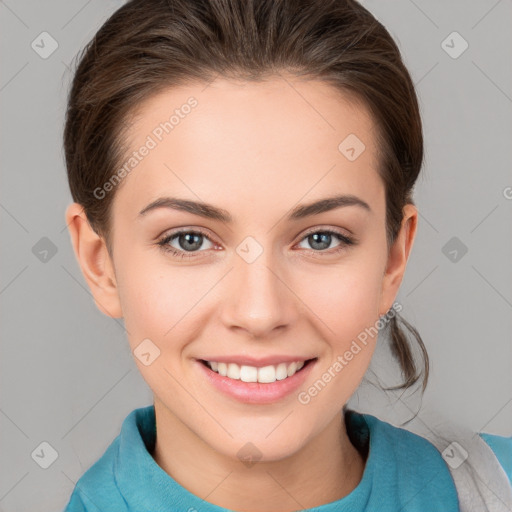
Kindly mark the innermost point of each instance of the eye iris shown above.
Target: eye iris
(187, 237)
(315, 236)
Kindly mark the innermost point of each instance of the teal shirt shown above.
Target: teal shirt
(403, 472)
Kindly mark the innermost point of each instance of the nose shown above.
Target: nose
(258, 300)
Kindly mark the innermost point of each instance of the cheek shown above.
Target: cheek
(348, 312)
(346, 298)
(346, 302)
(161, 304)
(160, 300)
(157, 299)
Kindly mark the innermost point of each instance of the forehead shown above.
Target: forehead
(280, 139)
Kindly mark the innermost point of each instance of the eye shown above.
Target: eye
(188, 241)
(321, 240)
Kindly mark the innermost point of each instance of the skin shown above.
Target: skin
(256, 150)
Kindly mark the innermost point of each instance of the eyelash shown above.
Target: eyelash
(163, 243)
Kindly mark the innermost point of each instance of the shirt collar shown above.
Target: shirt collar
(146, 486)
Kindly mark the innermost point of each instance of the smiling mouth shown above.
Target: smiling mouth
(264, 375)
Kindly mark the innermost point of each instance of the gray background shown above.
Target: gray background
(67, 374)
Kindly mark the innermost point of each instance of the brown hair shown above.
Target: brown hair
(150, 45)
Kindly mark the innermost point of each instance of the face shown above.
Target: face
(254, 278)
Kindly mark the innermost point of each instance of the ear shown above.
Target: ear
(397, 259)
(94, 260)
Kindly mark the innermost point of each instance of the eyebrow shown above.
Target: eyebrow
(212, 212)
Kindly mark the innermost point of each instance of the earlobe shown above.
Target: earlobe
(94, 260)
(398, 257)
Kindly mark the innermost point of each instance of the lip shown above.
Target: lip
(257, 362)
(256, 392)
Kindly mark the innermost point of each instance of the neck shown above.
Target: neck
(325, 470)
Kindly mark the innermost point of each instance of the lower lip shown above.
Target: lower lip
(256, 392)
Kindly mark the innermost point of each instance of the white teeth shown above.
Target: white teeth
(247, 373)
(233, 371)
(222, 369)
(292, 369)
(281, 371)
(266, 374)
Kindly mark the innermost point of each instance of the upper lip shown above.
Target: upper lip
(259, 362)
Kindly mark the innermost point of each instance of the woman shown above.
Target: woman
(242, 176)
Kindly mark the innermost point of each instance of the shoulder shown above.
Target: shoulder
(407, 470)
(98, 487)
(414, 464)
(502, 448)
(412, 452)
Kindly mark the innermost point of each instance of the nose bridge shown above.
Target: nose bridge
(258, 299)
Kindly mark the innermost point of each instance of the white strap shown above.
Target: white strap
(481, 482)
